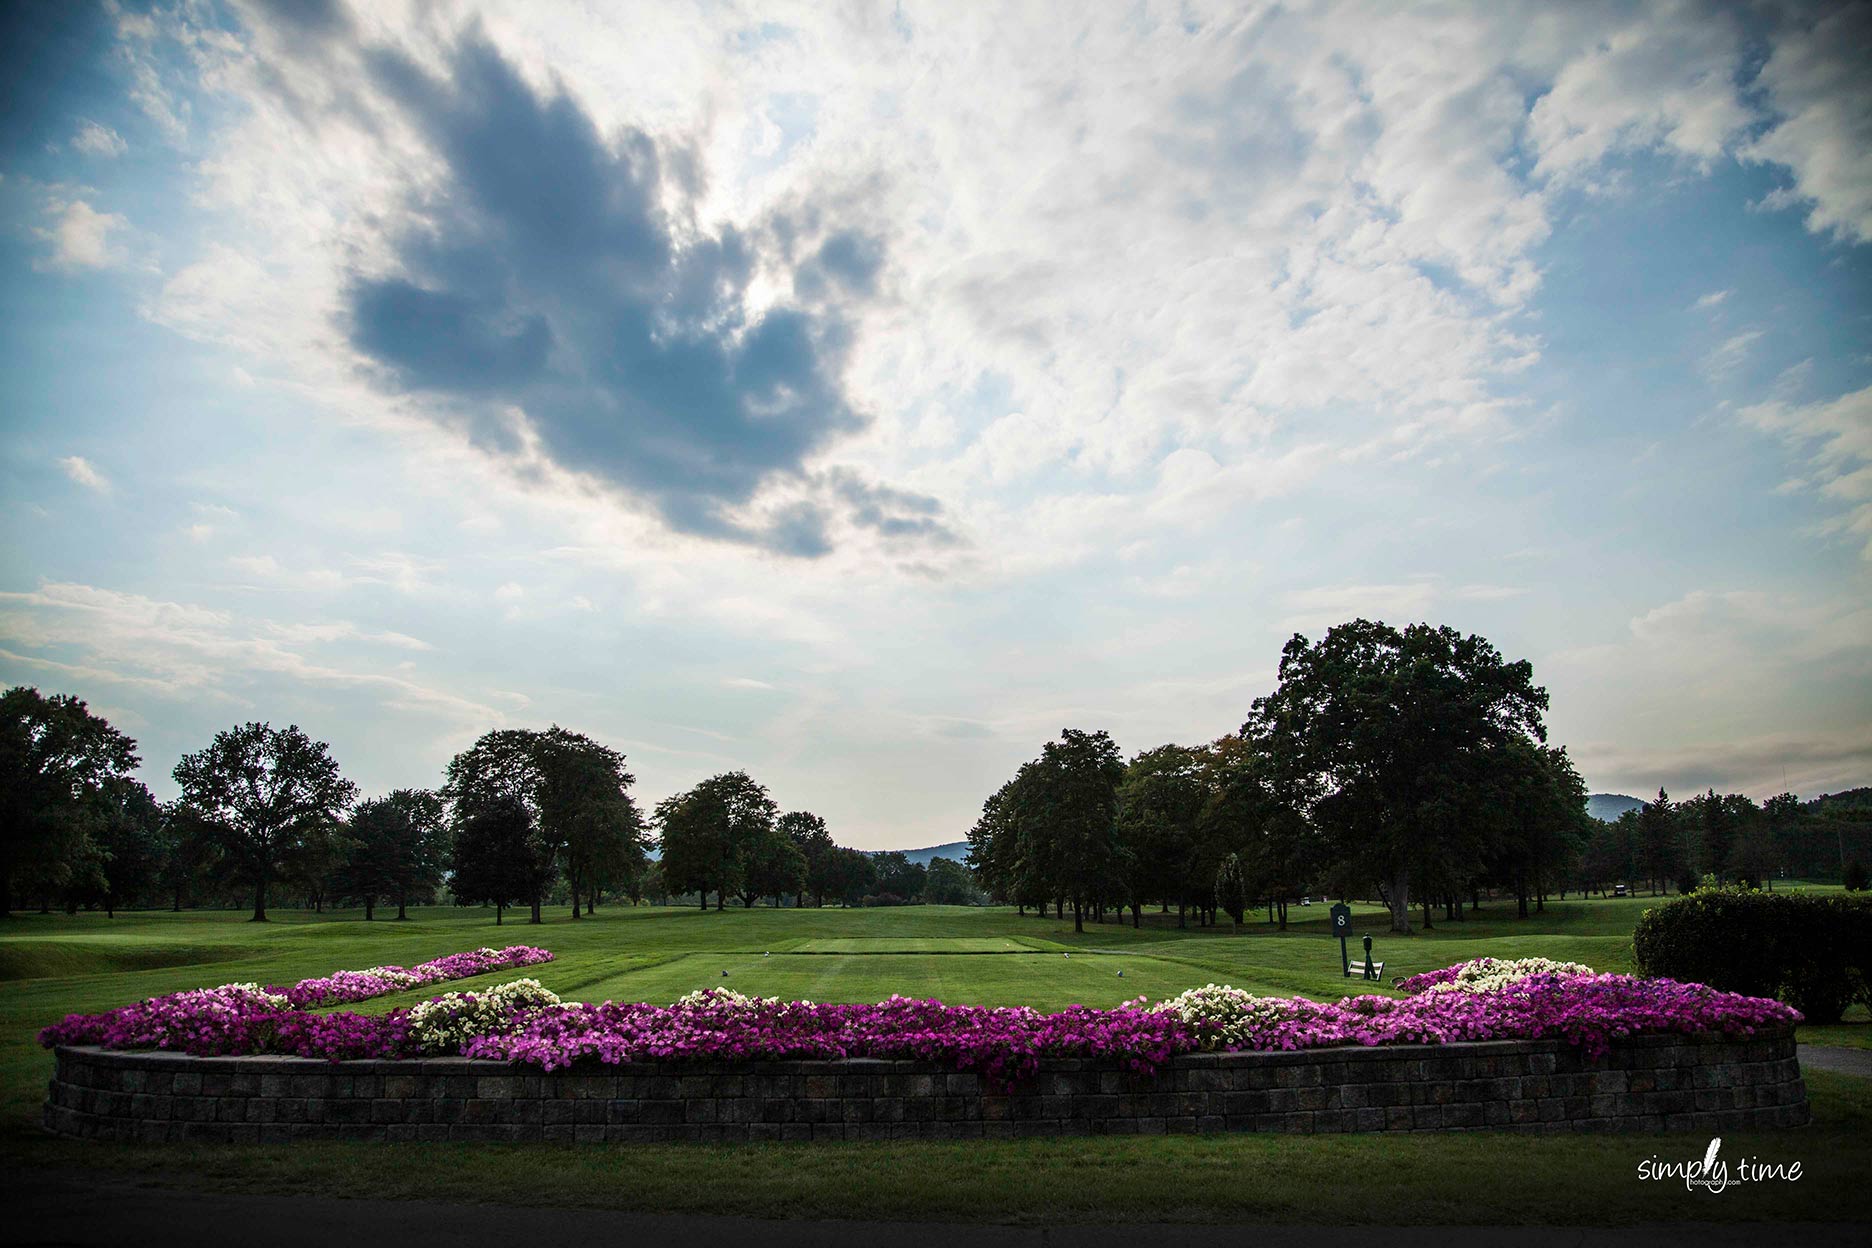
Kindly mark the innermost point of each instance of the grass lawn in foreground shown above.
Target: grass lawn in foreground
(56, 964)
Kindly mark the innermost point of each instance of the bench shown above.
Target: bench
(1358, 969)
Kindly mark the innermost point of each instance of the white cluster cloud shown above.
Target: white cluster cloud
(82, 471)
(82, 238)
(1819, 89)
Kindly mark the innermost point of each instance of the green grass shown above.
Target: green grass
(56, 964)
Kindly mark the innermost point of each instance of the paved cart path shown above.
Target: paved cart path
(1840, 1060)
(76, 1209)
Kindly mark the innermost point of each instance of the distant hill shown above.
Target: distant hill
(1609, 806)
(957, 850)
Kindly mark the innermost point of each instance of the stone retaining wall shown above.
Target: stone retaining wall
(1703, 1084)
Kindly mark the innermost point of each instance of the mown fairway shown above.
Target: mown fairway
(54, 964)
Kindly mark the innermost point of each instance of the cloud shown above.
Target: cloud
(1817, 85)
(1662, 77)
(1836, 437)
(1730, 354)
(1712, 300)
(80, 469)
(82, 237)
(98, 140)
(745, 682)
(1761, 766)
(559, 272)
(187, 651)
(1398, 604)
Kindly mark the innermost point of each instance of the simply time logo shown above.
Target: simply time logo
(1712, 1173)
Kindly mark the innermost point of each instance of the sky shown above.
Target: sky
(861, 394)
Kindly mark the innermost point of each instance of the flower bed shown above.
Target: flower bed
(246, 1018)
(346, 987)
(522, 1023)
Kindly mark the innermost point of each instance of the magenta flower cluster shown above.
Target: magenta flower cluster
(345, 987)
(246, 1018)
(1004, 1045)
(1590, 1011)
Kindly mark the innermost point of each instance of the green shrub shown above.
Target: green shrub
(1812, 951)
(1856, 878)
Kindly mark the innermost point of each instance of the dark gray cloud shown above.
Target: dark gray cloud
(548, 274)
(892, 513)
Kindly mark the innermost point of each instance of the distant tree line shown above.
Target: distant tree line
(1411, 766)
(1666, 843)
(523, 818)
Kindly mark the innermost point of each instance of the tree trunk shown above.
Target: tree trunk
(1137, 916)
(1400, 901)
(591, 900)
(535, 916)
(499, 909)
(402, 905)
(259, 914)
(1183, 915)
(370, 908)
(575, 897)
(1078, 917)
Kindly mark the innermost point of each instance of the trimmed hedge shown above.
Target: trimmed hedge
(1812, 951)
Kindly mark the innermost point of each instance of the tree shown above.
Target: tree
(709, 832)
(495, 854)
(773, 866)
(188, 852)
(127, 830)
(1659, 848)
(266, 792)
(1538, 804)
(398, 847)
(1231, 888)
(575, 790)
(586, 810)
(1159, 819)
(55, 758)
(1247, 812)
(851, 876)
(896, 876)
(949, 883)
(1381, 733)
(1068, 813)
(808, 832)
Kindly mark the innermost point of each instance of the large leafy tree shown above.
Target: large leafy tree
(1160, 809)
(495, 854)
(56, 758)
(1247, 811)
(774, 866)
(1068, 811)
(1383, 735)
(398, 848)
(576, 794)
(267, 793)
(127, 830)
(709, 833)
(1537, 806)
(808, 833)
